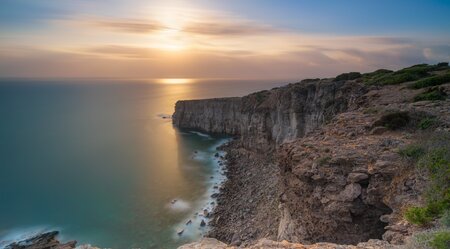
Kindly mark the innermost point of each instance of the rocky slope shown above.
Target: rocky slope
(328, 150)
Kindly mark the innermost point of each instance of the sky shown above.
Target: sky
(257, 39)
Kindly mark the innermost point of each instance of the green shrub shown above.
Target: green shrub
(374, 77)
(418, 215)
(442, 64)
(393, 121)
(431, 94)
(440, 240)
(412, 151)
(348, 76)
(431, 81)
(426, 123)
(413, 73)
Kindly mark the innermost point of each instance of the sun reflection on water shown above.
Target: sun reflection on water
(176, 81)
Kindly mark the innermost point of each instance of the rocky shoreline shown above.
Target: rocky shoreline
(247, 203)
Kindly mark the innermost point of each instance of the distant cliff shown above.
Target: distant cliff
(268, 118)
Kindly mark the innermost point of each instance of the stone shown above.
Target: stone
(356, 177)
(202, 223)
(351, 192)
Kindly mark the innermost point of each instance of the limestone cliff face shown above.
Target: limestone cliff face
(268, 118)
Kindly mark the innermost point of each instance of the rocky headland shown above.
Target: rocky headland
(325, 163)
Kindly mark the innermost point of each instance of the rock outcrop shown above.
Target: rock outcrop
(42, 241)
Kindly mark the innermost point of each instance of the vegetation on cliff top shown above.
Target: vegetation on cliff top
(433, 158)
(431, 94)
(420, 72)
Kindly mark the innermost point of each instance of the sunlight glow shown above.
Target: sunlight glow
(175, 81)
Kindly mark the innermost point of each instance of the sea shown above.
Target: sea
(100, 161)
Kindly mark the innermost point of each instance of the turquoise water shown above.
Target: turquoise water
(95, 160)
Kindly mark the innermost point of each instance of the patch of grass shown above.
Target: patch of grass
(435, 161)
(431, 81)
(430, 239)
(348, 76)
(440, 240)
(426, 123)
(432, 94)
(412, 151)
(393, 121)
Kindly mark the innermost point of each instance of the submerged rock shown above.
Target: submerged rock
(42, 241)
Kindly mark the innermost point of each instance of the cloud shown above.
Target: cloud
(214, 26)
(229, 28)
(129, 25)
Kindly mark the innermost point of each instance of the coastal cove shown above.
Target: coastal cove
(116, 174)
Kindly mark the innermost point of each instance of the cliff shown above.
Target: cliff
(321, 160)
(268, 118)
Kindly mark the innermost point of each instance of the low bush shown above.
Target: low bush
(418, 215)
(432, 94)
(431, 81)
(416, 72)
(442, 65)
(426, 123)
(393, 121)
(412, 151)
(348, 76)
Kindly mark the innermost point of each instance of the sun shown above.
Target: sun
(171, 40)
(171, 37)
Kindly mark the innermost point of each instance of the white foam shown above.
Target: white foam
(193, 230)
(201, 134)
(179, 205)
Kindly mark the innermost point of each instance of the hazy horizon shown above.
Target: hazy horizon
(218, 39)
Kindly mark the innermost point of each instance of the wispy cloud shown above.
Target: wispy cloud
(215, 26)
(129, 25)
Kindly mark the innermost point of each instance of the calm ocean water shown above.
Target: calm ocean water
(95, 160)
